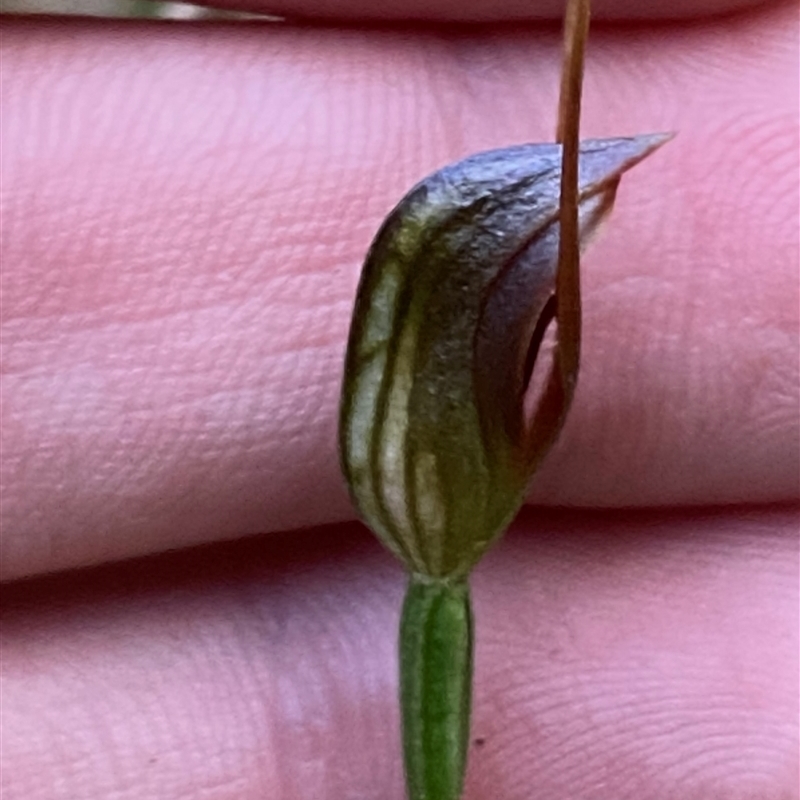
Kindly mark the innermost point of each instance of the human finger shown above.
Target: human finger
(185, 211)
(619, 656)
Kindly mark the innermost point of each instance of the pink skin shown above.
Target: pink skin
(184, 215)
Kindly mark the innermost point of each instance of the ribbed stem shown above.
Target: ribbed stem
(435, 686)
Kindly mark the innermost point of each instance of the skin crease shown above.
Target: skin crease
(482, 11)
(184, 214)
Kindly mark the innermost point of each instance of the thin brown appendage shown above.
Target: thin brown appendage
(568, 314)
(555, 400)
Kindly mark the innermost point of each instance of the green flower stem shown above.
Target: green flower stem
(435, 686)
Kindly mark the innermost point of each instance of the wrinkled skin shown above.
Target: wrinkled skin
(185, 213)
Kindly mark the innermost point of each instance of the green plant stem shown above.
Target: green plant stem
(436, 643)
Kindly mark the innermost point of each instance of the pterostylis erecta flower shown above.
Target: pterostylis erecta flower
(458, 287)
